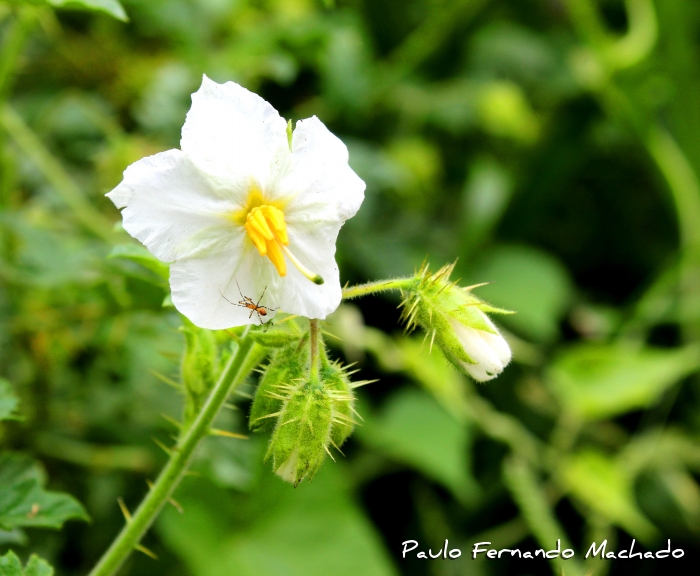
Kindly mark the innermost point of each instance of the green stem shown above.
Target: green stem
(379, 286)
(174, 470)
(313, 336)
(55, 174)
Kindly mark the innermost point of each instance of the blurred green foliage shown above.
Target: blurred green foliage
(553, 147)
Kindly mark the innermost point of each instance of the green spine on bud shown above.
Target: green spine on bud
(456, 319)
(287, 366)
(198, 369)
(338, 385)
(300, 441)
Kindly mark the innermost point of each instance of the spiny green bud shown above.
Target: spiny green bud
(300, 441)
(338, 385)
(287, 365)
(198, 369)
(454, 318)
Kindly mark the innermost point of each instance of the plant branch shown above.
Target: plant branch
(231, 377)
(379, 286)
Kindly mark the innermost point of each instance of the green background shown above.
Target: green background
(552, 147)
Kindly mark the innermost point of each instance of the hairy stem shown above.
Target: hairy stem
(231, 377)
(313, 336)
(378, 286)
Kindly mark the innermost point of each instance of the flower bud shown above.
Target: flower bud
(287, 366)
(454, 318)
(198, 369)
(338, 385)
(300, 441)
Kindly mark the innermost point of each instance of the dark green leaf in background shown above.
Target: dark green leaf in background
(314, 530)
(10, 565)
(598, 380)
(604, 485)
(414, 429)
(25, 503)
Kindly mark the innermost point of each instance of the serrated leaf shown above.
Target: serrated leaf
(8, 401)
(140, 255)
(599, 381)
(10, 565)
(25, 503)
(111, 7)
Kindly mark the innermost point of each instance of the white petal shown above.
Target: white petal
(171, 206)
(232, 133)
(208, 289)
(315, 249)
(489, 351)
(319, 179)
(499, 345)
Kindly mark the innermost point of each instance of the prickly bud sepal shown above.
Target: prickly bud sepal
(300, 441)
(287, 365)
(339, 387)
(456, 320)
(198, 370)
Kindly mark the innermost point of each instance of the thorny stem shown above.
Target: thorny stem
(233, 374)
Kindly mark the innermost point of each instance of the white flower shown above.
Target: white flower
(489, 351)
(240, 203)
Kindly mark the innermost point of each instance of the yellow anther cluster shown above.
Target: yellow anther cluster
(267, 229)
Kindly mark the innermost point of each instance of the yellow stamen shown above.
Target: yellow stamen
(267, 230)
(276, 257)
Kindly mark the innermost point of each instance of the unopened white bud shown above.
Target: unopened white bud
(456, 320)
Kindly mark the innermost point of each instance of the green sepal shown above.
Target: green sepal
(274, 338)
(286, 367)
(300, 441)
(290, 133)
(336, 381)
(198, 369)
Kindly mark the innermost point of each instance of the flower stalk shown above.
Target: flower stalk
(128, 539)
(375, 287)
(313, 341)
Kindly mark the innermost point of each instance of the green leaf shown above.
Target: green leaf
(139, 254)
(23, 500)
(10, 565)
(529, 281)
(603, 380)
(606, 487)
(111, 7)
(314, 530)
(414, 429)
(8, 401)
